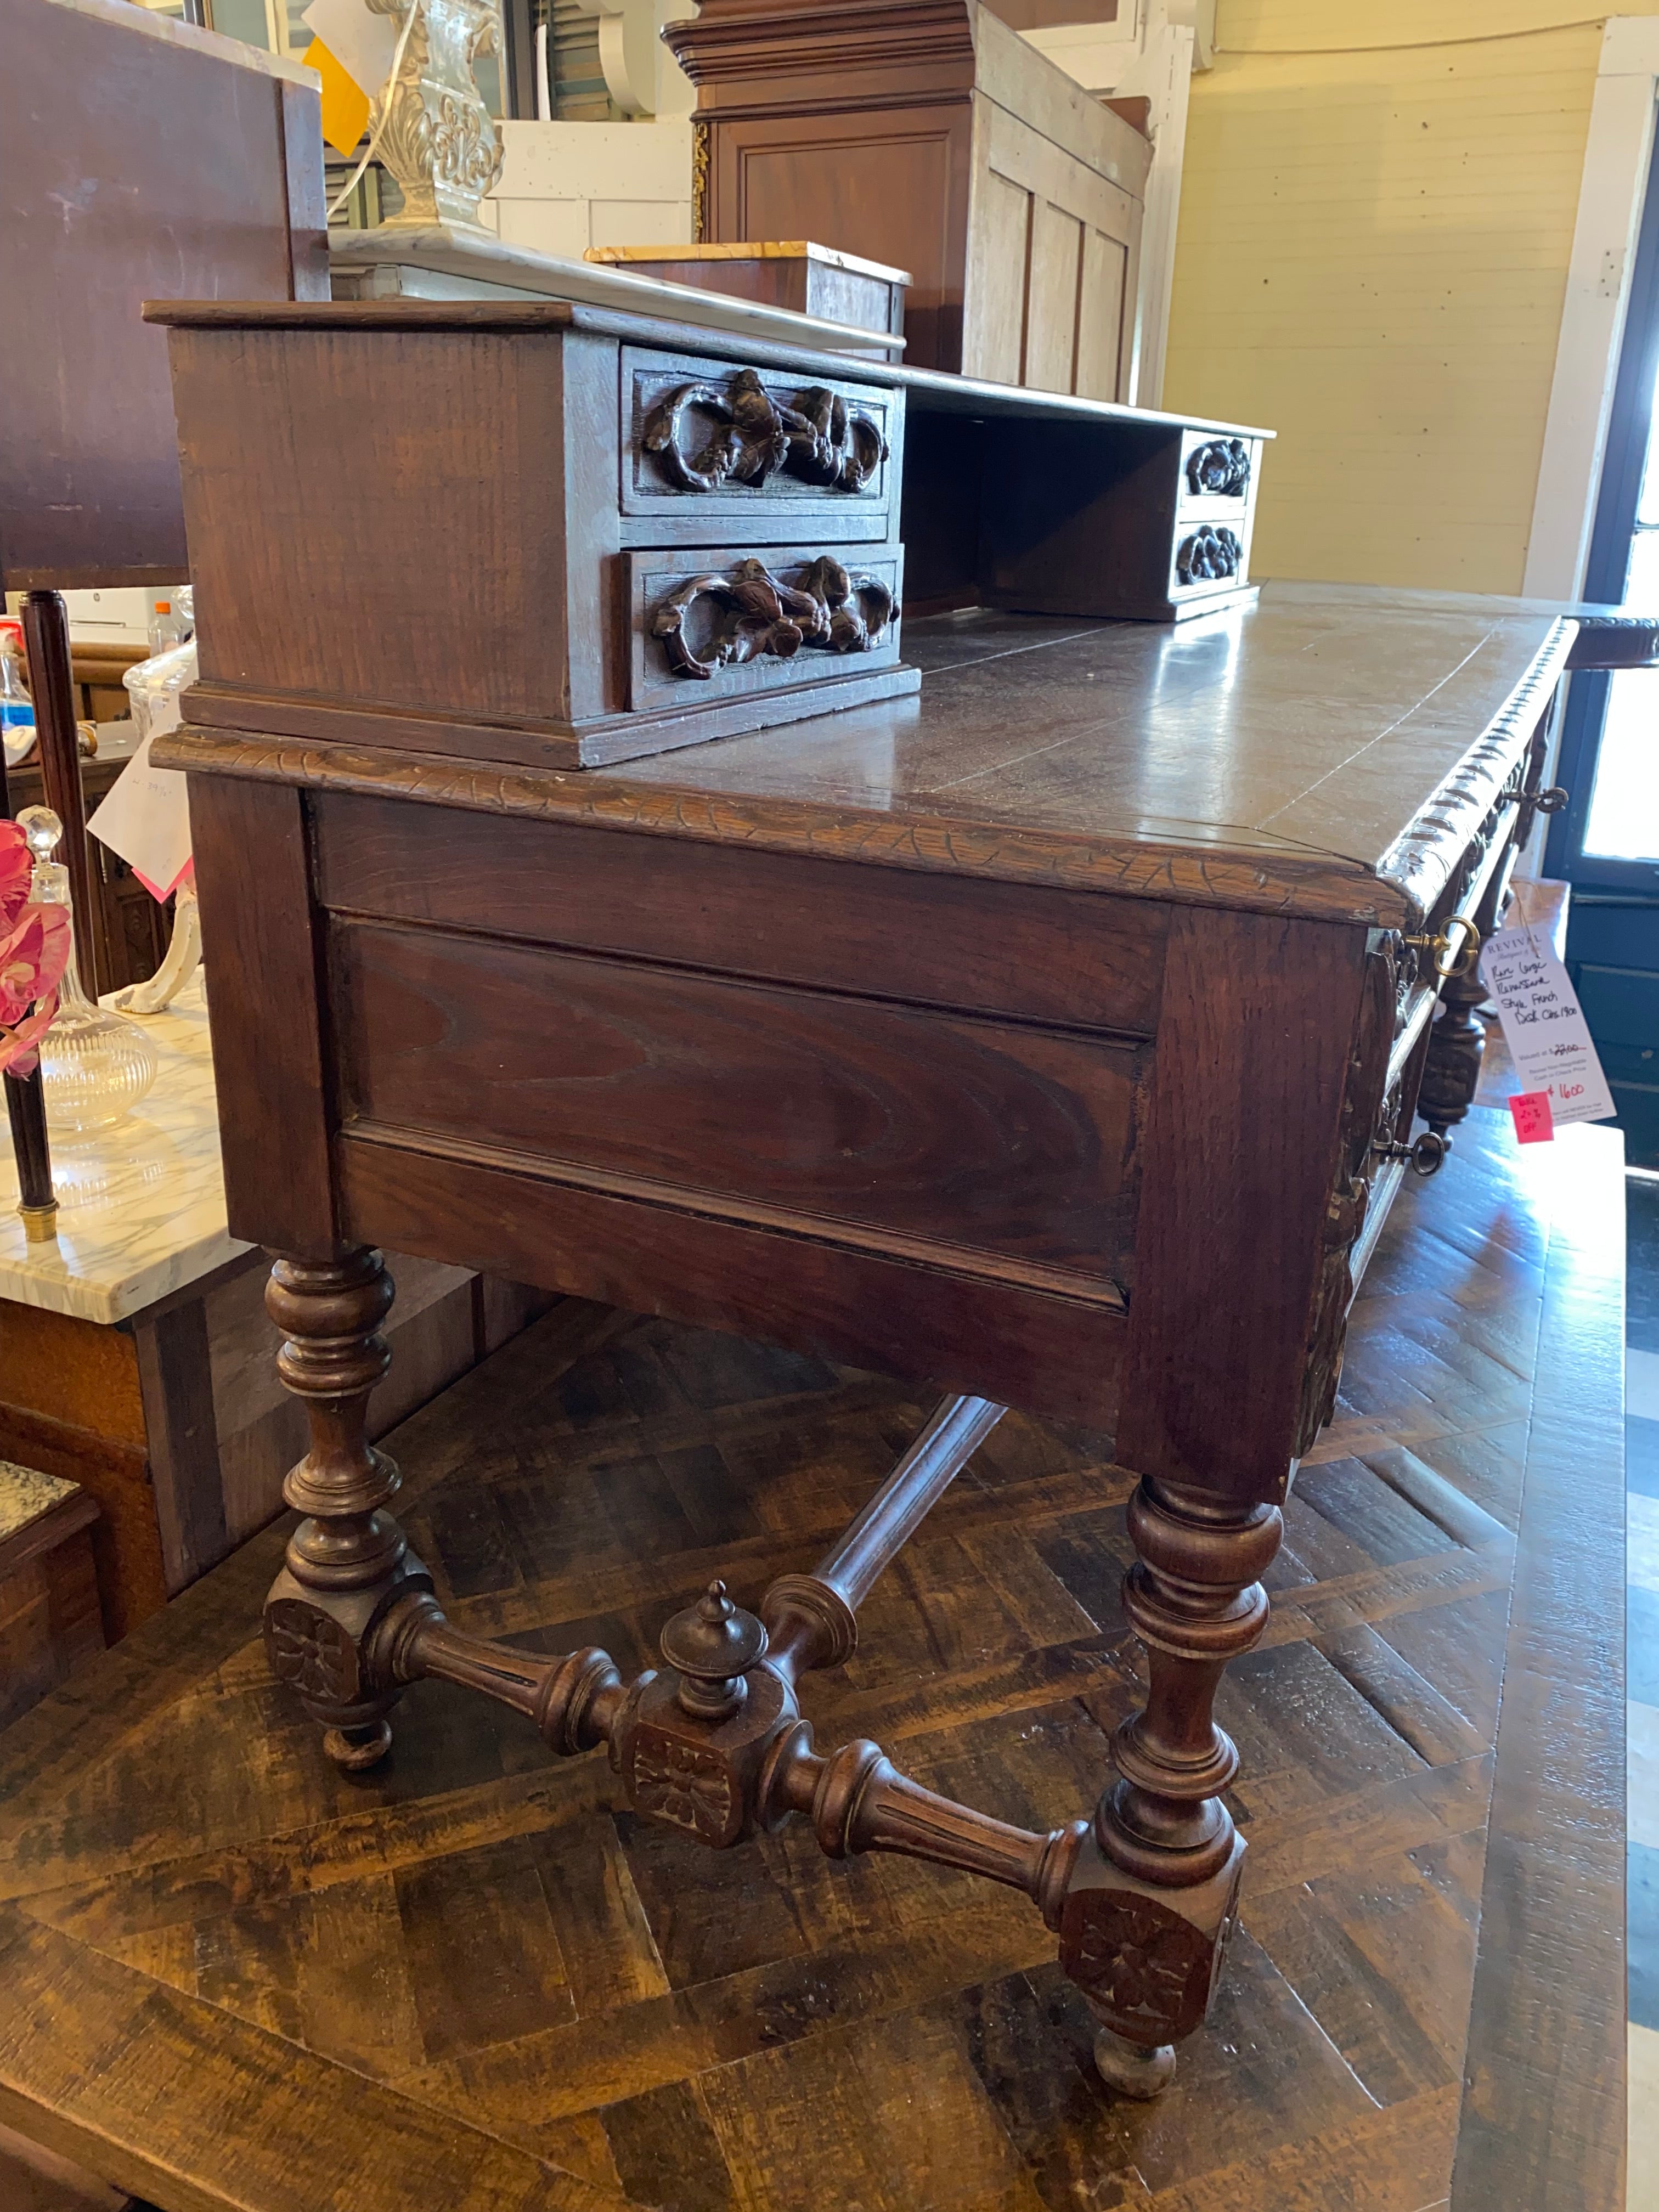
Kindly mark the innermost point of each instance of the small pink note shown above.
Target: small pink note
(1534, 1122)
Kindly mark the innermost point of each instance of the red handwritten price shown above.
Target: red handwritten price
(1534, 1122)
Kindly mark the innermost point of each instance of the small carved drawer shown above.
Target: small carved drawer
(731, 620)
(710, 451)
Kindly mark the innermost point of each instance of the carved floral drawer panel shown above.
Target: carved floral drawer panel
(710, 449)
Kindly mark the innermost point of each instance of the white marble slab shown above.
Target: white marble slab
(142, 1210)
(486, 265)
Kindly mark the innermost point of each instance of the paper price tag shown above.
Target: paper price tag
(145, 818)
(1544, 1027)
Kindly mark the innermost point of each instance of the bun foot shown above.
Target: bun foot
(1132, 2069)
(354, 1750)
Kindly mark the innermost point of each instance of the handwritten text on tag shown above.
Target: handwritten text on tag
(1533, 1122)
(1544, 1026)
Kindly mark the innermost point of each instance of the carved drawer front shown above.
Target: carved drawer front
(1217, 476)
(1209, 556)
(710, 449)
(725, 622)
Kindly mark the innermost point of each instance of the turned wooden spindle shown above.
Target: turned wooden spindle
(25, 1111)
(51, 688)
(812, 1619)
(1154, 1889)
(1457, 1045)
(347, 1557)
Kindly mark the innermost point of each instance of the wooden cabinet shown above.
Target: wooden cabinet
(929, 133)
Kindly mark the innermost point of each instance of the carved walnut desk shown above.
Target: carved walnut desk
(1051, 1034)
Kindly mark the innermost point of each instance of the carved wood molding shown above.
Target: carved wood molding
(820, 439)
(1421, 863)
(736, 39)
(1274, 879)
(760, 616)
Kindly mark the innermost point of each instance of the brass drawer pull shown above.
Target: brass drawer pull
(1425, 1157)
(1450, 966)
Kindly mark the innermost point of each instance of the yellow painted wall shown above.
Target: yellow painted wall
(1376, 215)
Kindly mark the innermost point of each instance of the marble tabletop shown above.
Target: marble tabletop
(26, 1495)
(142, 1208)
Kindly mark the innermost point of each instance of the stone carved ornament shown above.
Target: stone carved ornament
(433, 129)
(758, 615)
(819, 440)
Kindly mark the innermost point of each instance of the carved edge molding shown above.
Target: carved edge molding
(820, 439)
(761, 616)
(1420, 864)
(1281, 882)
(858, 34)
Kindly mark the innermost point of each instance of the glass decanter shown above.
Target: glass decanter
(94, 1066)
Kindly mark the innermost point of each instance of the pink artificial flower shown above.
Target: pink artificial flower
(17, 869)
(33, 955)
(19, 1048)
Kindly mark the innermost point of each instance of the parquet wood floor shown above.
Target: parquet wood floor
(472, 1981)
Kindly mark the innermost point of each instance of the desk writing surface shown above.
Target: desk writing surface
(1318, 754)
(1301, 727)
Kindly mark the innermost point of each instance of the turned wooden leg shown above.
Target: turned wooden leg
(1152, 1894)
(347, 1561)
(1456, 1044)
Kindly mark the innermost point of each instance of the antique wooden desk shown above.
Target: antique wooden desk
(1052, 1034)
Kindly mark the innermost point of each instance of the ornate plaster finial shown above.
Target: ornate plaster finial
(435, 134)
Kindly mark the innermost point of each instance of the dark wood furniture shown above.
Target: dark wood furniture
(172, 1425)
(928, 134)
(231, 206)
(1055, 1037)
(230, 1977)
(794, 273)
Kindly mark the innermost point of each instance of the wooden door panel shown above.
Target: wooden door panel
(1102, 303)
(1052, 314)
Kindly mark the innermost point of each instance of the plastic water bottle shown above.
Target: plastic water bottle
(16, 707)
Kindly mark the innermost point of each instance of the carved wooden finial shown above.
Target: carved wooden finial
(711, 1646)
